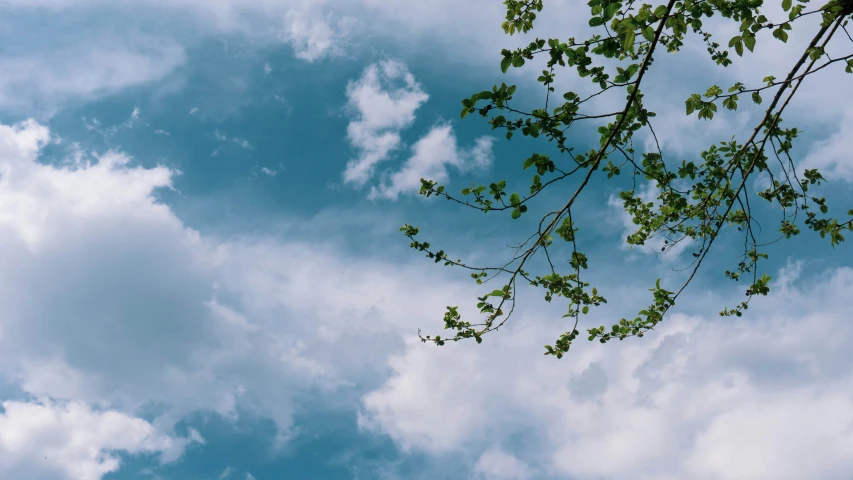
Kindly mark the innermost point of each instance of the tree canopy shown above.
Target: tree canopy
(695, 200)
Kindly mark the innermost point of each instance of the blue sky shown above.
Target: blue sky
(203, 276)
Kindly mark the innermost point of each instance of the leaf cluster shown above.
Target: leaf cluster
(696, 199)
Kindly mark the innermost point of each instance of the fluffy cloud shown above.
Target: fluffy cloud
(832, 155)
(50, 440)
(317, 29)
(52, 63)
(767, 397)
(431, 155)
(384, 101)
(205, 323)
(144, 310)
(495, 464)
(314, 34)
(39, 82)
(314, 28)
(59, 56)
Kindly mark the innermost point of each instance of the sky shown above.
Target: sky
(203, 276)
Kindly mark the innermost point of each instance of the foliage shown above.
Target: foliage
(696, 200)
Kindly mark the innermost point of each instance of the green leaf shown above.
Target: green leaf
(516, 213)
(649, 33)
(628, 43)
(739, 48)
(514, 199)
(585, 309)
(518, 61)
(660, 11)
(815, 53)
(596, 21)
(749, 41)
(505, 63)
(781, 34)
(484, 95)
(611, 10)
(786, 5)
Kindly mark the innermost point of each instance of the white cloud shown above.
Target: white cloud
(43, 81)
(384, 101)
(768, 397)
(95, 126)
(241, 142)
(409, 406)
(833, 156)
(318, 29)
(223, 354)
(32, 194)
(816, 99)
(201, 322)
(495, 464)
(431, 155)
(314, 28)
(145, 310)
(314, 34)
(63, 58)
(759, 439)
(680, 136)
(71, 441)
